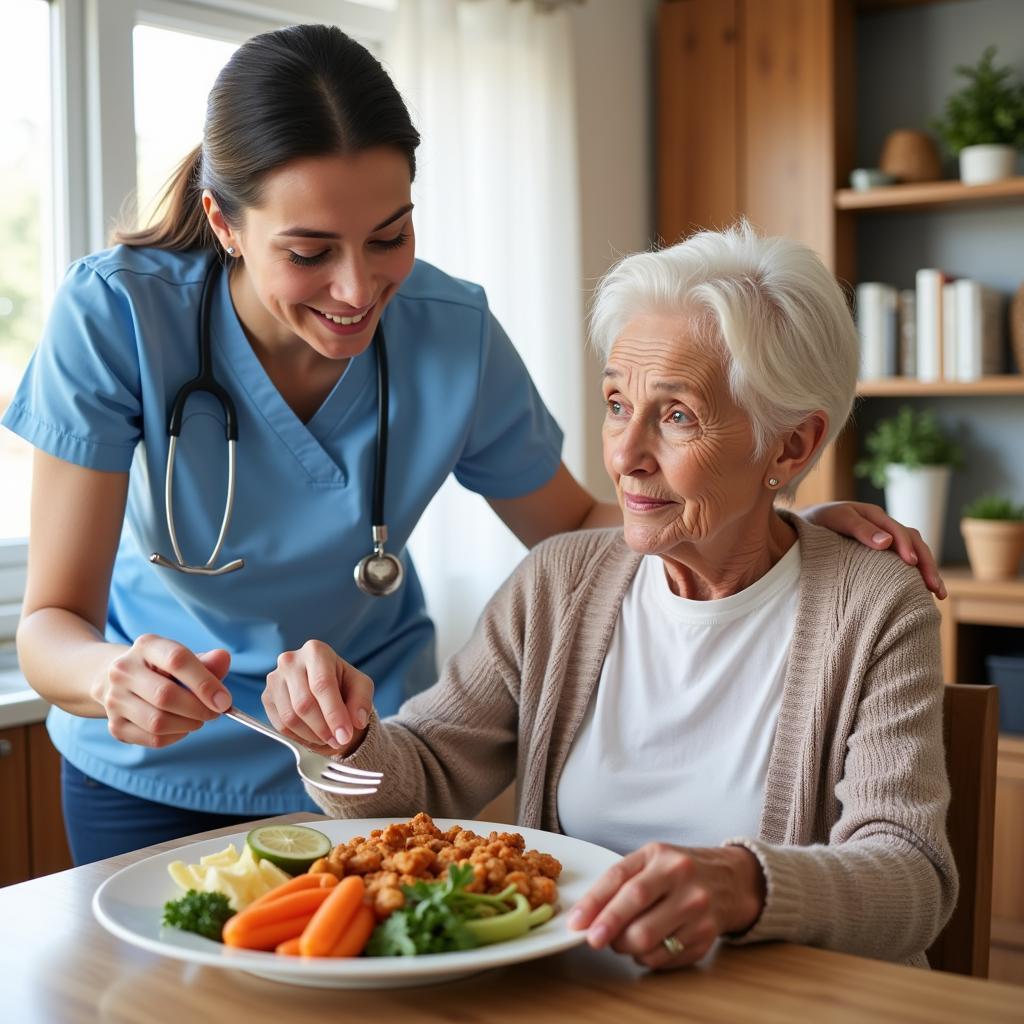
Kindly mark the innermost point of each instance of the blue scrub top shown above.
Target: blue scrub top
(120, 341)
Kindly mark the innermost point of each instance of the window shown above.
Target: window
(26, 227)
(169, 122)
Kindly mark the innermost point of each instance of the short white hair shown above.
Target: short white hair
(775, 312)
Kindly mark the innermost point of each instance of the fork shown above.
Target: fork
(316, 769)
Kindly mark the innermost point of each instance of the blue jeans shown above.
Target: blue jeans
(103, 822)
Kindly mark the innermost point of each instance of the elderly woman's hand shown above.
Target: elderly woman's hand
(662, 893)
(874, 528)
(316, 697)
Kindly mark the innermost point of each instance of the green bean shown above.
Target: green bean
(543, 913)
(505, 926)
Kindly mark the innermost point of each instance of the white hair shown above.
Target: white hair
(769, 304)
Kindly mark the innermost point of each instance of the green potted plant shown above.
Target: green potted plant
(993, 530)
(984, 121)
(910, 457)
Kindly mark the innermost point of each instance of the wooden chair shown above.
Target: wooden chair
(971, 732)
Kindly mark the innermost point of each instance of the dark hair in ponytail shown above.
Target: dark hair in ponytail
(306, 90)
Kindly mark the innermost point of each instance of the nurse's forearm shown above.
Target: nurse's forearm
(603, 513)
(64, 658)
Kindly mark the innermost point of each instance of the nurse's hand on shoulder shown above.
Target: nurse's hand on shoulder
(662, 892)
(875, 528)
(158, 691)
(319, 699)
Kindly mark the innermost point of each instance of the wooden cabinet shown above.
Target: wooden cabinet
(1007, 959)
(33, 842)
(759, 122)
(15, 858)
(969, 615)
(756, 118)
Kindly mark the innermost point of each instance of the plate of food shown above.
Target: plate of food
(358, 903)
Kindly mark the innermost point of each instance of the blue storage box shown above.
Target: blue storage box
(1007, 672)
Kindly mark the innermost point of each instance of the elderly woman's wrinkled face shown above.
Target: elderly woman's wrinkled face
(676, 445)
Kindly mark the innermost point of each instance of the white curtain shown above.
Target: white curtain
(490, 85)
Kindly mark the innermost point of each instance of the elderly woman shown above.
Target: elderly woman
(746, 705)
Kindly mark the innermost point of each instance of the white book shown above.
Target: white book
(908, 332)
(979, 350)
(949, 324)
(929, 324)
(877, 327)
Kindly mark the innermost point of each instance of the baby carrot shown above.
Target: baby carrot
(299, 883)
(267, 936)
(289, 947)
(297, 904)
(357, 934)
(322, 933)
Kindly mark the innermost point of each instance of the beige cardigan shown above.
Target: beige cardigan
(852, 837)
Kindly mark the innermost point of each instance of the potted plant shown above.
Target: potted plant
(993, 530)
(984, 121)
(911, 457)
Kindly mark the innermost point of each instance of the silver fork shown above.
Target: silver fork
(316, 769)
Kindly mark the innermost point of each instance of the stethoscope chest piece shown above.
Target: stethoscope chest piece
(381, 573)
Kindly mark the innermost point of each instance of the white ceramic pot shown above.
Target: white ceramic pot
(981, 164)
(916, 496)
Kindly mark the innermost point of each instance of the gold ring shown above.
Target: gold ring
(672, 945)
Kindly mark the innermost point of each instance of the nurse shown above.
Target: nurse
(301, 190)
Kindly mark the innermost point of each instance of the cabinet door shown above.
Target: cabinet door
(49, 845)
(697, 117)
(797, 121)
(14, 827)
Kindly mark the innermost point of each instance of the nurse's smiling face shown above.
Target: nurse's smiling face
(324, 252)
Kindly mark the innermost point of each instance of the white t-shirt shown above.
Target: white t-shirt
(676, 741)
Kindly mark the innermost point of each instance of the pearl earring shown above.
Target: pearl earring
(231, 250)
(773, 481)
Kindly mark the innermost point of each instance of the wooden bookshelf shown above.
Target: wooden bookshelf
(960, 582)
(907, 387)
(930, 195)
(874, 6)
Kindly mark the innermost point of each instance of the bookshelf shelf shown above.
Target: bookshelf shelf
(930, 195)
(905, 387)
(960, 582)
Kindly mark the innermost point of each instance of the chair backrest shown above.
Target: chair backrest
(971, 732)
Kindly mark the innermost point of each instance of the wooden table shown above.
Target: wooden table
(59, 966)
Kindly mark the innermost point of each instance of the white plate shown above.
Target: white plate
(130, 904)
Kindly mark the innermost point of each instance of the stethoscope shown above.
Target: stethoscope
(377, 574)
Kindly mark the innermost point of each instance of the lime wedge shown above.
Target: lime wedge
(291, 847)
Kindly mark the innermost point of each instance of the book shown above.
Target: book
(979, 334)
(907, 305)
(877, 327)
(929, 283)
(949, 353)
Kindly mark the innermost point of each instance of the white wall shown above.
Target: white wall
(614, 84)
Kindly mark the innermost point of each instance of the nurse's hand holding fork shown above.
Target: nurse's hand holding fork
(157, 691)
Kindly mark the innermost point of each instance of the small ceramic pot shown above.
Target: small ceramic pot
(910, 156)
(994, 547)
(982, 164)
(864, 178)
